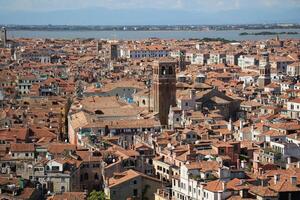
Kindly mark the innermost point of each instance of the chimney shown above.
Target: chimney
(224, 186)
(241, 124)
(289, 160)
(238, 164)
(260, 171)
(192, 94)
(276, 178)
(229, 125)
(243, 164)
(294, 180)
(252, 128)
(106, 182)
(264, 182)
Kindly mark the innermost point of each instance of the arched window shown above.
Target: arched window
(144, 102)
(163, 71)
(170, 70)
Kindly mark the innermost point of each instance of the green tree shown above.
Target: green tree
(97, 195)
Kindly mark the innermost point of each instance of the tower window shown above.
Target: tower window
(170, 70)
(163, 71)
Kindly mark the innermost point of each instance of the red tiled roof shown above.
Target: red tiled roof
(22, 147)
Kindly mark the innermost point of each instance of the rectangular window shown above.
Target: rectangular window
(55, 168)
(96, 165)
(135, 192)
(222, 151)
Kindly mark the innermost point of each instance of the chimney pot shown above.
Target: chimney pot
(289, 160)
(192, 93)
(241, 124)
(224, 186)
(260, 171)
(276, 178)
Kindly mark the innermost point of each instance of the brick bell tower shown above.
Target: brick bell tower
(164, 88)
(264, 78)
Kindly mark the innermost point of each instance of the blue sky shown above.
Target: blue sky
(135, 12)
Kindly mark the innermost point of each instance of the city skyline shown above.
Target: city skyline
(133, 12)
(150, 100)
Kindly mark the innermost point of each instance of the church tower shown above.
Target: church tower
(264, 71)
(3, 36)
(98, 46)
(164, 88)
(182, 63)
(113, 51)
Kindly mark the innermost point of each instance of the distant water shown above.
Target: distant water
(136, 35)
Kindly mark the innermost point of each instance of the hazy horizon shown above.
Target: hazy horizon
(132, 25)
(145, 12)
